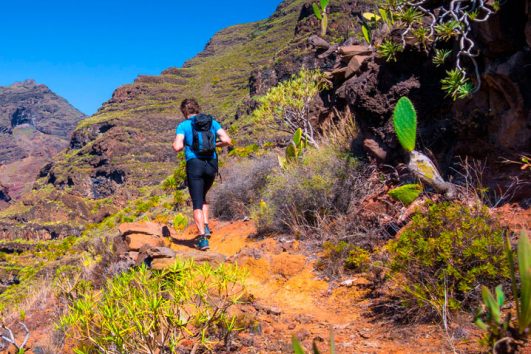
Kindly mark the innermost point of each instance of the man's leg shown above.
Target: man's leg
(205, 213)
(196, 184)
(199, 221)
(210, 176)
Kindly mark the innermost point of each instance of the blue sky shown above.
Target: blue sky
(85, 49)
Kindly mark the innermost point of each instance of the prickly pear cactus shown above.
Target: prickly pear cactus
(405, 123)
(406, 193)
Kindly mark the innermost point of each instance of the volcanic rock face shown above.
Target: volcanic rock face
(35, 124)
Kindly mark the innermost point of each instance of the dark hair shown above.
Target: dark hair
(190, 106)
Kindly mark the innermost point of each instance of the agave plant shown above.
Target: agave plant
(502, 335)
(320, 12)
(294, 150)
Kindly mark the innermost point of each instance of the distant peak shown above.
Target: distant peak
(25, 83)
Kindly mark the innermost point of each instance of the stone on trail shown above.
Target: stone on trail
(164, 257)
(148, 228)
(136, 241)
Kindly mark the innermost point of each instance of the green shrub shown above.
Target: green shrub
(341, 255)
(245, 151)
(180, 222)
(242, 186)
(303, 196)
(451, 248)
(176, 184)
(143, 311)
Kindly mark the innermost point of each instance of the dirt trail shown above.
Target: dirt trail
(290, 299)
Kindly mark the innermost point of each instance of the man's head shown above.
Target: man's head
(190, 107)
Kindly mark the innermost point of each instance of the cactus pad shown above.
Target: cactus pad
(405, 123)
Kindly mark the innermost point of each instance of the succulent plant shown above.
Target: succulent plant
(320, 12)
(405, 123)
(406, 193)
(295, 149)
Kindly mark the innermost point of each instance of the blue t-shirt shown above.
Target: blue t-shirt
(185, 128)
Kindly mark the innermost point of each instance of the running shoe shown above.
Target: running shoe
(202, 243)
(208, 232)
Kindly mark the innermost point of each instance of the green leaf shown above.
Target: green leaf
(481, 325)
(297, 347)
(297, 137)
(500, 296)
(384, 16)
(406, 193)
(405, 123)
(324, 4)
(366, 33)
(291, 153)
(369, 16)
(317, 11)
(282, 162)
(491, 304)
(524, 266)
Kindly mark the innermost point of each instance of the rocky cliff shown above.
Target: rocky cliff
(35, 124)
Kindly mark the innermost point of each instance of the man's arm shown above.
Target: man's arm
(224, 138)
(178, 143)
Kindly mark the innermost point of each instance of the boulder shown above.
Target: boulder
(147, 228)
(136, 241)
(163, 257)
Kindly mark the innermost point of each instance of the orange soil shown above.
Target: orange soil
(292, 300)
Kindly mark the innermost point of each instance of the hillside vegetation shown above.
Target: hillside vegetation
(376, 198)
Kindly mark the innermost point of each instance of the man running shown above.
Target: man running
(197, 135)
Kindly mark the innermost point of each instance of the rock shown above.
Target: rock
(162, 263)
(163, 257)
(318, 42)
(375, 149)
(354, 65)
(268, 309)
(157, 252)
(4, 194)
(136, 241)
(347, 283)
(352, 50)
(147, 228)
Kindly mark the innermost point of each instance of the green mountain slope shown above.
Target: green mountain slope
(126, 145)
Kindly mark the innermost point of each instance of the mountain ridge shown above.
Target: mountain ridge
(35, 124)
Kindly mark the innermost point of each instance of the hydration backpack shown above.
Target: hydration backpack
(204, 142)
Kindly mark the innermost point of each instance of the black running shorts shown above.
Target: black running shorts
(201, 174)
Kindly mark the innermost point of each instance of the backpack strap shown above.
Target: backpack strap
(195, 140)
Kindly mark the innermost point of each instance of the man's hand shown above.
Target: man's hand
(224, 138)
(178, 143)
